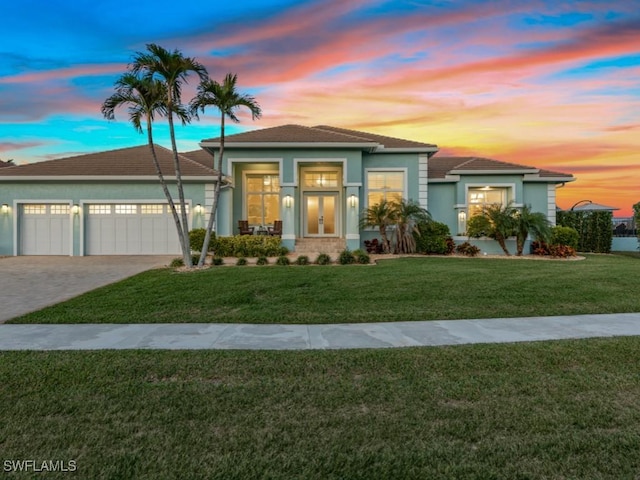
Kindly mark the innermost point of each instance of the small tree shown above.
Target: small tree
(407, 215)
(527, 222)
(495, 221)
(381, 215)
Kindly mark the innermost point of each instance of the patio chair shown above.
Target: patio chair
(245, 229)
(276, 230)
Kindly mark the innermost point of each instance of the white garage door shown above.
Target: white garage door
(44, 229)
(130, 229)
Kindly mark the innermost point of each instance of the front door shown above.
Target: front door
(320, 214)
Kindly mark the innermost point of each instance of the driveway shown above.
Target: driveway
(31, 283)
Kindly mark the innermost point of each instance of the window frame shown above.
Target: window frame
(246, 192)
(367, 189)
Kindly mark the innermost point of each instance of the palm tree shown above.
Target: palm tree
(227, 100)
(381, 215)
(145, 98)
(527, 222)
(173, 69)
(408, 214)
(496, 221)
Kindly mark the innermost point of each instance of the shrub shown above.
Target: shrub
(595, 229)
(283, 260)
(248, 246)
(467, 249)
(242, 261)
(361, 257)
(176, 262)
(217, 261)
(434, 238)
(323, 259)
(302, 260)
(196, 239)
(373, 246)
(565, 236)
(262, 260)
(346, 257)
(195, 259)
(545, 249)
(283, 251)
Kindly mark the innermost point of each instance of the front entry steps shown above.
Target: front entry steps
(320, 245)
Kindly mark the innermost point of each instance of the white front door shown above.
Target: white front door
(320, 215)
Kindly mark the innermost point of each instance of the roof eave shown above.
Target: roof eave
(128, 178)
(506, 171)
(356, 145)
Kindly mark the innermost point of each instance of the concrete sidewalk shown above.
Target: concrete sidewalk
(307, 337)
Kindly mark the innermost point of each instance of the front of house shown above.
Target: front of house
(316, 180)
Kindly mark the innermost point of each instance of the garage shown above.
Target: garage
(130, 229)
(45, 229)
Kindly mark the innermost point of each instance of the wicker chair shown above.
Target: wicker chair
(276, 230)
(245, 229)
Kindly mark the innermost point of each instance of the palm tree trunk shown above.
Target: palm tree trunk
(163, 183)
(184, 227)
(502, 242)
(216, 196)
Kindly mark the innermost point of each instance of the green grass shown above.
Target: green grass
(566, 409)
(395, 290)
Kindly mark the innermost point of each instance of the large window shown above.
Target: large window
(480, 197)
(384, 185)
(263, 194)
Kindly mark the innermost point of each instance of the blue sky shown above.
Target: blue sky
(544, 83)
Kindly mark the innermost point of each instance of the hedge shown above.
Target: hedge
(239, 245)
(595, 229)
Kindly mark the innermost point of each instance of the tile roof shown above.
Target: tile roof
(5, 164)
(439, 167)
(201, 156)
(319, 134)
(132, 161)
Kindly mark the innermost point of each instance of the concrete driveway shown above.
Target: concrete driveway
(34, 282)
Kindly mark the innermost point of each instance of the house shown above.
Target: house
(317, 180)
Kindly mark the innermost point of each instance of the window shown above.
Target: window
(263, 199)
(153, 209)
(59, 209)
(480, 197)
(126, 209)
(384, 185)
(178, 209)
(320, 179)
(99, 209)
(35, 209)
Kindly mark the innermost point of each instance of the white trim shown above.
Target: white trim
(405, 180)
(297, 166)
(519, 171)
(352, 236)
(537, 178)
(551, 203)
(288, 236)
(423, 181)
(231, 161)
(372, 146)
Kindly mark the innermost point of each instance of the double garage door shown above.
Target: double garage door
(108, 229)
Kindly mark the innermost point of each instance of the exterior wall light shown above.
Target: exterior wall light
(353, 201)
(75, 209)
(4, 208)
(287, 201)
(462, 222)
(198, 209)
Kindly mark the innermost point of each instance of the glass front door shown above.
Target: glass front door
(320, 214)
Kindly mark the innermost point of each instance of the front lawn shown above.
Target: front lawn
(567, 409)
(395, 290)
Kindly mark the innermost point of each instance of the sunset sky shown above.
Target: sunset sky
(552, 84)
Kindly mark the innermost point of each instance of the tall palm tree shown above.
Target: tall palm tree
(227, 100)
(408, 214)
(381, 215)
(173, 69)
(527, 222)
(145, 99)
